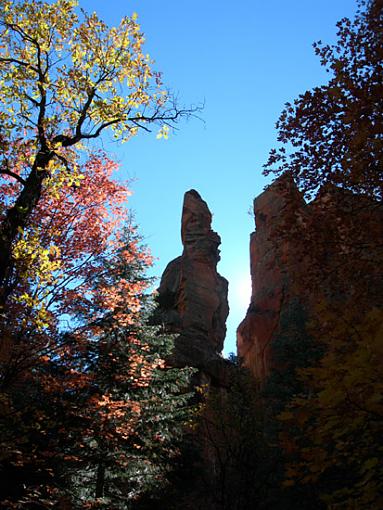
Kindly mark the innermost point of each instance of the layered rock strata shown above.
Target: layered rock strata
(192, 296)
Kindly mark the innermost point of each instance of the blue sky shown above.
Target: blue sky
(244, 61)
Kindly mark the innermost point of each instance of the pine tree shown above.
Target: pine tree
(136, 405)
(100, 420)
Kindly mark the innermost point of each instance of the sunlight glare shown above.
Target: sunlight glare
(242, 291)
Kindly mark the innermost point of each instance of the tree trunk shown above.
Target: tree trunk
(17, 217)
(100, 480)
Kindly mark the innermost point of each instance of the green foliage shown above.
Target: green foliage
(99, 422)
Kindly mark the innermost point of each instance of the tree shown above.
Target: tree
(64, 80)
(55, 259)
(294, 348)
(94, 419)
(238, 466)
(136, 406)
(88, 407)
(333, 133)
(226, 461)
(341, 419)
(332, 146)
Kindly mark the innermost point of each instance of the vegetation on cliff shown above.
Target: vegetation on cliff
(332, 145)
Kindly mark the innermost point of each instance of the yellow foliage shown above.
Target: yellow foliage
(344, 410)
(87, 74)
(40, 265)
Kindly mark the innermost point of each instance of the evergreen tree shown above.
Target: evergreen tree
(138, 404)
(100, 420)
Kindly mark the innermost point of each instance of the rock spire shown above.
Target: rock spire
(192, 296)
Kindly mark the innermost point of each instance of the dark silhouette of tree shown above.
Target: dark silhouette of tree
(331, 143)
(334, 133)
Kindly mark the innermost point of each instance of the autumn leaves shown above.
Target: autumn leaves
(82, 383)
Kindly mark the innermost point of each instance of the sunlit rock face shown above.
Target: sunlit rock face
(303, 254)
(268, 274)
(192, 296)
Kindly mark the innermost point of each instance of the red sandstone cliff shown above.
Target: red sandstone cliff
(302, 253)
(269, 275)
(192, 296)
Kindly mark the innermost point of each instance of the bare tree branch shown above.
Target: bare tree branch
(19, 62)
(5, 171)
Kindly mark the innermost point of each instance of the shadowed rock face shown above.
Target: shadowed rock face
(268, 274)
(291, 239)
(192, 296)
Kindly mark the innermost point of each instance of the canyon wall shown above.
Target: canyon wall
(270, 275)
(192, 296)
(302, 255)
